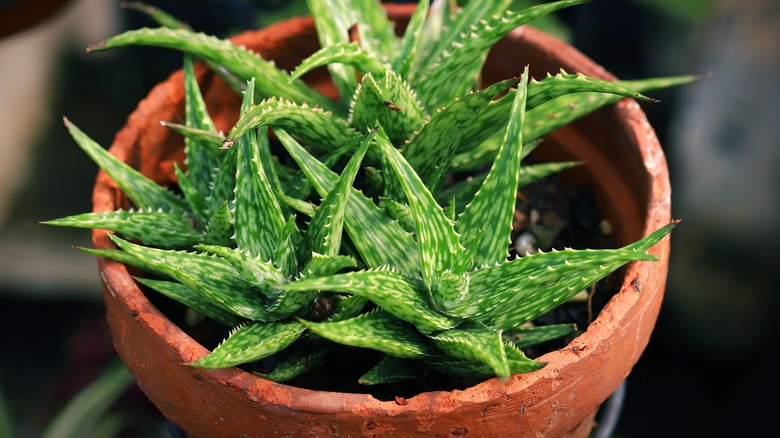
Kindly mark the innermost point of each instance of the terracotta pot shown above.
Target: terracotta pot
(626, 170)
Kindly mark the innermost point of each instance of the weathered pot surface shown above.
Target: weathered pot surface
(626, 169)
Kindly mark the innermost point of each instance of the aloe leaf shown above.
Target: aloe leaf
(323, 265)
(262, 274)
(349, 54)
(224, 181)
(325, 229)
(440, 16)
(493, 206)
(392, 102)
(524, 337)
(118, 255)
(319, 129)
(239, 61)
(444, 77)
(437, 241)
(256, 211)
(543, 281)
(391, 369)
(476, 343)
(219, 230)
(294, 364)
(400, 212)
(298, 205)
(431, 151)
(411, 43)
(450, 21)
(144, 192)
(518, 363)
(379, 240)
(333, 19)
(251, 342)
(192, 299)
(390, 290)
(377, 32)
(286, 253)
(377, 330)
(209, 139)
(346, 307)
(196, 201)
(158, 228)
(200, 159)
(212, 277)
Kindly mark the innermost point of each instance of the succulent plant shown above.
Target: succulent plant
(383, 220)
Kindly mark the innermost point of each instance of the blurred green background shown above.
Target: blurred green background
(710, 368)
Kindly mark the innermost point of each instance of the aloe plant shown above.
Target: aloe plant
(371, 239)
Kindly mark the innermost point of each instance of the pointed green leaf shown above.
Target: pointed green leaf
(524, 337)
(321, 130)
(477, 343)
(412, 42)
(192, 299)
(240, 62)
(377, 32)
(437, 241)
(515, 292)
(196, 201)
(200, 159)
(431, 151)
(391, 369)
(444, 77)
(144, 192)
(376, 330)
(493, 206)
(333, 19)
(518, 363)
(324, 265)
(324, 233)
(219, 230)
(257, 215)
(400, 212)
(209, 139)
(158, 228)
(390, 290)
(379, 240)
(251, 342)
(286, 253)
(224, 182)
(253, 270)
(349, 54)
(392, 102)
(294, 364)
(212, 277)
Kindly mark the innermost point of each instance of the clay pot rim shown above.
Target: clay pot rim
(633, 121)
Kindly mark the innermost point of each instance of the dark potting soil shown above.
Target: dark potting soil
(550, 213)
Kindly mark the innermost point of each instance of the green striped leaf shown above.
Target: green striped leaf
(259, 273)
(438, 244)
(144, 192)
(251, 342)
(324, 233)
(333, 19)
(392, 102)
(192, 299)
(224, 181)
(157, 228)
(396, 294)
(391, 369)
(219, 230)
(294, 364)
(431, 151)
(493, 206)
(212, 277)
(201, 159)
(475, 343)
(444, 77)
(379, 240)
(288, 249)
(323, 265)
(209, 139)
(319, 129)
(518, 363)
(193, 196)
(412, 42)
(239, 61)
(349, 54)
(377, 32)
(257, 215)
(376, 330)
(524, 337)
